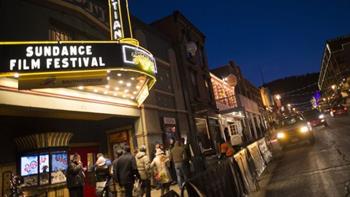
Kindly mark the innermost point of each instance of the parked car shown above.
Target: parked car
(294, 129)
(339, 110)
(315, 118)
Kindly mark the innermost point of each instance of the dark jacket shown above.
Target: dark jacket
(124, 169)
(75, 175)
(102, 172)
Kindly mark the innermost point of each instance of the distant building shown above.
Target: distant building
(335, 69)
(267, 98)
(249, 101)
(230, 116)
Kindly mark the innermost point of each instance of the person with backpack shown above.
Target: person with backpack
(161, 171)
(102, 172)
(143, 167)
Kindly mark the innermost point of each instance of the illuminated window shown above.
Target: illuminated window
(59, 34)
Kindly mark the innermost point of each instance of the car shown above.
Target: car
(339, 110)
(294, 129)
(315, 118)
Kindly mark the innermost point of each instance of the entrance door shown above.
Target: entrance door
(88, 158)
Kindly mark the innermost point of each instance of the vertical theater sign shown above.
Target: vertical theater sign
(122, 66)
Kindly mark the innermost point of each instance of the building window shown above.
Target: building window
(203, 134)
(194, 83)
(233, 129)
(56, 33)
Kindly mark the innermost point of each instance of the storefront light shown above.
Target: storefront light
(116, 88)
(108, 78)
(119, 74)
(138, 87)
(95, 90)
(134, 92)
(128, 84)
(132, 97)
(16, 75)
(105, 92)
(81, 87)
(132, 78)
(107, 86)
(108, 71)
(126, 90)
(121, 81)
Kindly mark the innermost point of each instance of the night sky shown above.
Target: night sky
(281, 37)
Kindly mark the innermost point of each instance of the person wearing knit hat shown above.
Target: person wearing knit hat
(161, 172)
(143, 166)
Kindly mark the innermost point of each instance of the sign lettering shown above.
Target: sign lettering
(116, 23)
(36, 58)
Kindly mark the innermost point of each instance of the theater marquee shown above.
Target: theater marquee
(51, 64)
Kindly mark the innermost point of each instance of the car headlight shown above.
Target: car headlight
(321, 116)
(281, 135)
(304, 129)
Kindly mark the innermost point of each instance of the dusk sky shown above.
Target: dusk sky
(283, 37)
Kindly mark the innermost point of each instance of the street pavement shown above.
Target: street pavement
(322, 169)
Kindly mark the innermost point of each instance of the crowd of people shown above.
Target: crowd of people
(133, 174)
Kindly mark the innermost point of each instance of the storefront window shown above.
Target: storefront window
(203, 134)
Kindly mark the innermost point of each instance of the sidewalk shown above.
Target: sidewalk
(156, 193)
(266, 176)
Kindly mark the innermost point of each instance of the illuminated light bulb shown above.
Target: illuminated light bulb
(119, 74)
(95, 90)
(134, 92)
(132, 78)
(81, 87)
(128, 84)
(126, 90)
(116, 88)
(108, 78)
(105, 92)
(106, 86)
(16, 75)
(121, 81)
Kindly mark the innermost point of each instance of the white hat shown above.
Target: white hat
(101, 161)
(159, 151)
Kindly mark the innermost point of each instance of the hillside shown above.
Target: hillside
(296, 90)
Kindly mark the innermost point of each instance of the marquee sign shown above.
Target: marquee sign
(50, 64)
(73, 56)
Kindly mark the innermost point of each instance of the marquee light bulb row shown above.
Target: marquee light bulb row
(118, 85)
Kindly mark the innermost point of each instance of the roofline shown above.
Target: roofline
(178, 13)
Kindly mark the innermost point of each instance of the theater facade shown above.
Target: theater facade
(81, 76)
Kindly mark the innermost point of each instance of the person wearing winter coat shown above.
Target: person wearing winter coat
(160, 169)
(178, 156)
(102, 172)
(75, 177)
(125, 171)
(143, 166)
